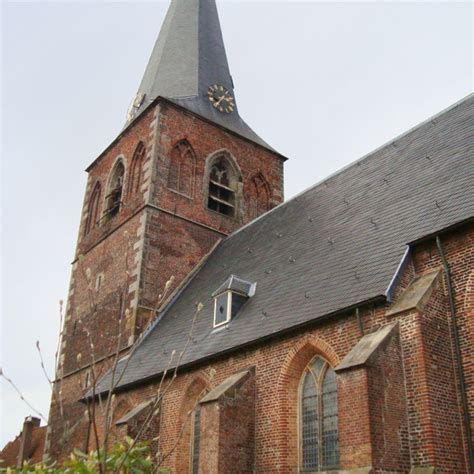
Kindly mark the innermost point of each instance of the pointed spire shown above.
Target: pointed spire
(188, 58)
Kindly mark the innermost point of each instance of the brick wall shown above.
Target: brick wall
(122, 264)
(372, 400)
(403, 411)
(227, 431)
(388, 409)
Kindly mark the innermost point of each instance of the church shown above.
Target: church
(333, 332)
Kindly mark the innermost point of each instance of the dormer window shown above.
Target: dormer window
(229, 299)
(222, 313)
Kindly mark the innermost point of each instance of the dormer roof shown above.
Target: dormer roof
(237, 285)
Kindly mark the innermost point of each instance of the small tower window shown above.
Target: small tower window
(229, 299)
(223, 183)
(99, 281)
(113, 199)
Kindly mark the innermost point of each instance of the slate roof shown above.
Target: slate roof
(334, 246)
(188, 57)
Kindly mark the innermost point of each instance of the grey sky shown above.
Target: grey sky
(323, 82)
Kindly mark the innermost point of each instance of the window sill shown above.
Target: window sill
(180, 194)
(231, 218)
(334, 470)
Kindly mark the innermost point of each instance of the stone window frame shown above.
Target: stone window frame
(238, 192)
(120, 160)
(326, 366)
(229, 309)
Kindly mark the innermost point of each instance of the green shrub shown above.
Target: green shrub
(123, 458)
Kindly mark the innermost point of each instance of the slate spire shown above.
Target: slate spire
(188, 58)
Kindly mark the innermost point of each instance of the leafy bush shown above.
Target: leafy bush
(123, 458)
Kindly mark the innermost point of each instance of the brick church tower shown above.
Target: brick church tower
(184, 172)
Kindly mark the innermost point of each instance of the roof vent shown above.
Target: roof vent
(229, 299)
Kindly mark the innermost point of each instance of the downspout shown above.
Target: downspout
(359, 322)
(458, 354)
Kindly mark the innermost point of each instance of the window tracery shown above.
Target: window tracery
(223, 181)
(113, 199)
(319, 418)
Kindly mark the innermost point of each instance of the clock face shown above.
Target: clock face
(221, 99)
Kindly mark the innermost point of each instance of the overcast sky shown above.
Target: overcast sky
(323, 82)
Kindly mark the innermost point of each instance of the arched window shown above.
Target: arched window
(319, 420)
(113, 199)
(260, 197)
(181, 171)
(223, 181)
(195, 439)
(93, 209)
(136, 169)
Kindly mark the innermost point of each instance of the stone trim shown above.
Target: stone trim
(228, 387)
(135, 271)
(417, 294)
(366, 348)
(134, 412)
(151, 162)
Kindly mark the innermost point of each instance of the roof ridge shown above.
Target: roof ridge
(354, 163)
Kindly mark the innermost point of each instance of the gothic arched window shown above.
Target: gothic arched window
(113, 199)
(319, 418)
(195, 439)
(181, 171)
(93, 209)
(260, 197)
(136, 169)
(223, 181)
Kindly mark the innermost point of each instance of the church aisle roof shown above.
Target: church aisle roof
(334, 246)
(189, 56)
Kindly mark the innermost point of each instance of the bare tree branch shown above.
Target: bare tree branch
(160, 395)
(17, 390)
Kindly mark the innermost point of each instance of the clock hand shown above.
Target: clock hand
(221, 99)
